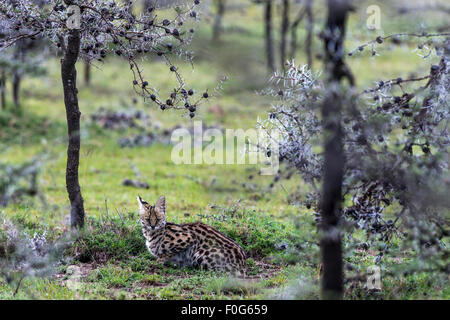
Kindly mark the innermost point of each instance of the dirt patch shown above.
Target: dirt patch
(75, 273)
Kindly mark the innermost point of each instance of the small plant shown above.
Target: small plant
(375, 161)
(24, 256)
(18, 180)
(258, 234)
(395, 149)
(109, 238)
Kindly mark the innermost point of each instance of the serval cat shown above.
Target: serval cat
(193, 244)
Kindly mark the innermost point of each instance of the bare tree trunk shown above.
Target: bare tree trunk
(3, 89)
(309, 31)
(269, 37)
(69, 78)
(284, 30)
(87, 73)
(16, 89)
(217, 28)
(294, 27)
(334, 161)
(19, 55)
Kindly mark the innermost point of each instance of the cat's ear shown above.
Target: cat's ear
(161, 205)
(141, 202)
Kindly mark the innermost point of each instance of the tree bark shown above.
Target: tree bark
(334, 160)
(294, 28)
(309, 31)
(268, 34)
(87, 73)
(19, 55)
(16, 89)
(3, 89)
(217, 28)
(284, 30)
(69, 78)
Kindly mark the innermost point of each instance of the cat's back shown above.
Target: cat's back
(210, 238)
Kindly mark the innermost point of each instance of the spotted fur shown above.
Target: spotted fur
(193, 244)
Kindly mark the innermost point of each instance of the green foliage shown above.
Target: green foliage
(258, 233)
(110, 238)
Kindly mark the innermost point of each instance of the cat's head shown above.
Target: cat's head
(153, 217)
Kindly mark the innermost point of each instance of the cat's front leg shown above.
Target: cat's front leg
(163, 258)
(160, 260)
(175, 257)
(150, 248)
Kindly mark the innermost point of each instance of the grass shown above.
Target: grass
(109, 260)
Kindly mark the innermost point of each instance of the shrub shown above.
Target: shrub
(115, 238)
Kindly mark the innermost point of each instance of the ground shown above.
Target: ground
(109, 260)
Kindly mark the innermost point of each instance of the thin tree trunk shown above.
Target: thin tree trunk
(69, 78)
(19, 55)
(284, 30)
(87, 73)
(294, 28)
(16, 89)
(217, 28)
(3, 89)
(269, 37)
(334, 161)
(309, 31)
